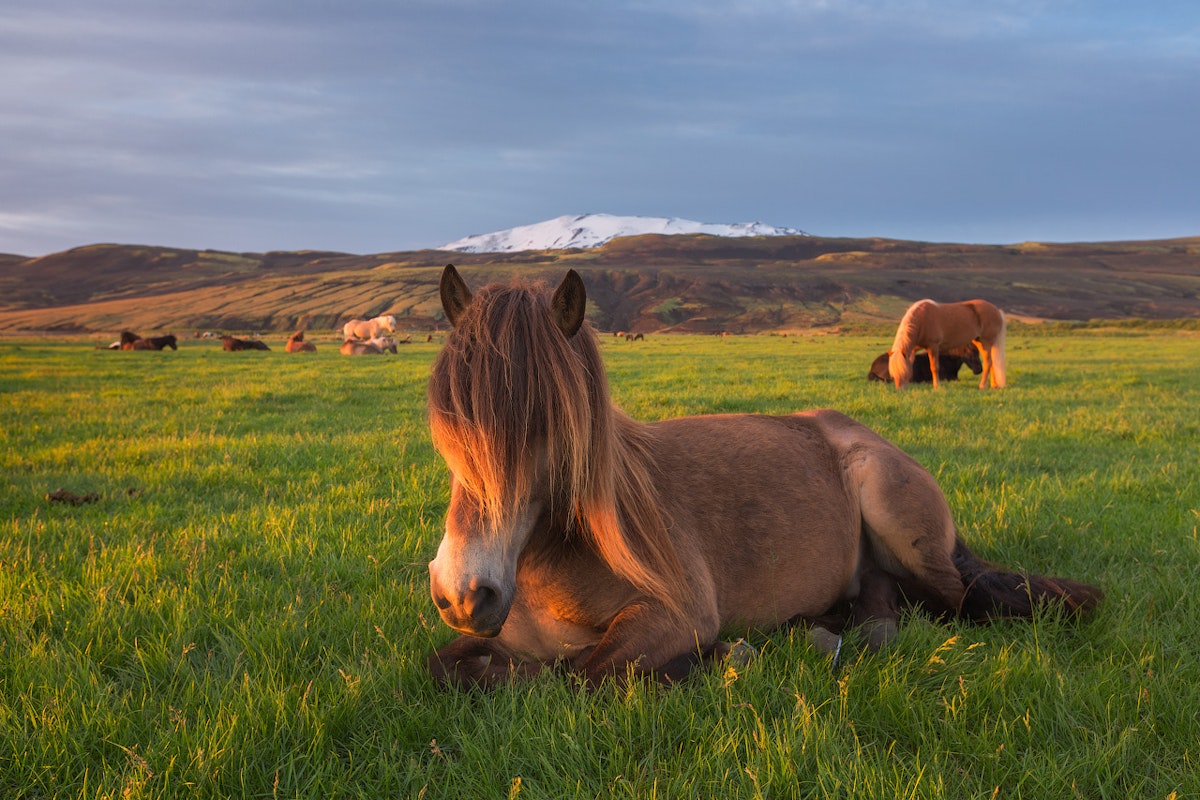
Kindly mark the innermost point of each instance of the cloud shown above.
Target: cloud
(365, 125)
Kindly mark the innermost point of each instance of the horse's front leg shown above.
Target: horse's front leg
(647, 638)
(472, 661)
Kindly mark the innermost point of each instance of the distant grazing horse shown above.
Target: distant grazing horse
(296, 344)
(578, 536)
(948, 366)
(233, 344)
(368, 328)
(943, 326)
(377, 346)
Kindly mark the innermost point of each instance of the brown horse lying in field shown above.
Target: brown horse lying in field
(233, 344)
(296, 344)
(578, 536)
(131, 341)
(949, 364)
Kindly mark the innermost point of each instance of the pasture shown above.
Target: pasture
(243, 610)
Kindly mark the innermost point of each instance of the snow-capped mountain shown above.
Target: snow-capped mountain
(593, 230)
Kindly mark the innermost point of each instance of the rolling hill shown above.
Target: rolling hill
(688, 283)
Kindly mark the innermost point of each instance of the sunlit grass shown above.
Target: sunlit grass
(244, 611)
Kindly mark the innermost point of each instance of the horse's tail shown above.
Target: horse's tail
(999, 376)
(993, 592)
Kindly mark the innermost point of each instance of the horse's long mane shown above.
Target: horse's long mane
(508, 382)
(899, 362)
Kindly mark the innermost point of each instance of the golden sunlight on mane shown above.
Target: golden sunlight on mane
(508, 383)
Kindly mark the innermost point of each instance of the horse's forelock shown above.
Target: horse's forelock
(506, 384)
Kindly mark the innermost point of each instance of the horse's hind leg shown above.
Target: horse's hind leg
(910, 531)
(876, 611)
(985, 360)
(996, 351)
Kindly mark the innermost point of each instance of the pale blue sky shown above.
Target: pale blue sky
(367, 126)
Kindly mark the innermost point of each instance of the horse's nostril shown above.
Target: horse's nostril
(441, 601)
(480, 600)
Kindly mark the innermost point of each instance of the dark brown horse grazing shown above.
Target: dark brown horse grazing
(949, 363)
(943, 326)
(576, 535)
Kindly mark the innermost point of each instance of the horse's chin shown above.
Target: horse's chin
(489, 633)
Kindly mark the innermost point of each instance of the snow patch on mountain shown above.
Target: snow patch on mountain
(593, 230)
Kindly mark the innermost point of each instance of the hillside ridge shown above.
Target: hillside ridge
(648, 283)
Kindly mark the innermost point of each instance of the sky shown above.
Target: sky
(369, 126)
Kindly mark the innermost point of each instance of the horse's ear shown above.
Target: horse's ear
(455, 294)
(569, 304)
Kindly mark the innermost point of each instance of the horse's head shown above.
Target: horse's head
(510, 411)
(900, 366)
(972, 360)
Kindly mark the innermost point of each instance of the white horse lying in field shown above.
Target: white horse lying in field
(376, 346)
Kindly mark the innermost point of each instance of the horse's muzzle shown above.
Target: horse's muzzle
(479, 609)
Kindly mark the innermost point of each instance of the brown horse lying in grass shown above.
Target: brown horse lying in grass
(578, 536)
(233, 344)
(296, 344)
(131, 341)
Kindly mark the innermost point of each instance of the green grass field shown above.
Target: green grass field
(243, 611)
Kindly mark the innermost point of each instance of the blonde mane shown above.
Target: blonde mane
(900, 356)
(508, 382)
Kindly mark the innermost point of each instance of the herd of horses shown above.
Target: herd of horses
(361, 337)
(950, 335)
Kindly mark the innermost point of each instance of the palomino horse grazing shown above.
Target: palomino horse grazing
(296, 344)
(578, 536)
(943, 326)
(368, 328)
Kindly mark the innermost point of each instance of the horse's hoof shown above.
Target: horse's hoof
(879, 633)
(824, 639)
(741, 653)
